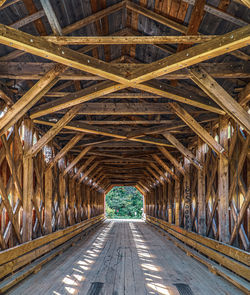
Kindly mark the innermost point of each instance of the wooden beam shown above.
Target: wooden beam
(53, 21)
(2, 2)
(187, 195)
(116, 40)
(177, 197)
(201, 195)
(221, 14)
(80, 127)
(53, 131)
(75, 26)
(11, 214)
(244, 95)
(155, 175)
(221, 97)
(77, 98)
(84, 166)
(48, 176)
(165, 166)
(128, 122)
(28, 190)
(115, 109)
(194, 21)
(161, 89)
(63, 55)
(120, 157)
(28, 19)
(31, 8)
(93, 18)
(240, 217)
(29, 99)
(201, 52)
(197, 128)
(91, 168)
(6, 95)
(223, 184)
(96, 174)
(76, 160)
(156, 17)
(160, 172)
(245, 2)
(36, 70)
(12, 167)
(69, 57)
(65, 149)
(140, 189)
(191, 157)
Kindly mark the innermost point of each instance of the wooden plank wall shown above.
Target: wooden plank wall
(36, 200)
(223, 184)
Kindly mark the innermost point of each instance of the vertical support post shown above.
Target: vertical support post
(177, 199)
(156, 201)
(164, 192)
(170, 215)
(187, 196)
(201, 190)
(62, 201)
(104, 203)
(48, 201)
(71, 201)
(88, 202)
(248, 209)
(28, 170)
(223, 183)
(78, 201)
(160, 201)
(144, 203)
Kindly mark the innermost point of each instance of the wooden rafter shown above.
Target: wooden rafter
(35, 71)
(81, 127)
(197, 128)
(65, 149)
(155, 16)
(186, 153)
(116, 40)
(218, 46)
(221, 97)
(29, 99)
(76, 160)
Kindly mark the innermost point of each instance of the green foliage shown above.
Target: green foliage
(124, 202)
(110, 212)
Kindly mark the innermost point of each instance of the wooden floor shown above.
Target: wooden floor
(124, 257)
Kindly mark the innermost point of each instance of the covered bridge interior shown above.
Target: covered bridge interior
(101, 93)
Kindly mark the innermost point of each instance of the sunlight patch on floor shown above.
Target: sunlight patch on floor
(151, 271)
(74, 280)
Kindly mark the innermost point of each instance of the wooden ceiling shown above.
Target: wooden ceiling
(124, 88)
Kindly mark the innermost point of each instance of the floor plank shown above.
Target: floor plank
(124, 257)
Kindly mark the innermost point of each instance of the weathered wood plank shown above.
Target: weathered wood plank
(221, 97)
(201, 52)
(197, 128)
(116, 40)
(186, 153)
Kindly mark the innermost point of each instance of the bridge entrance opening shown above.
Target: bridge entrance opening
(124, 202)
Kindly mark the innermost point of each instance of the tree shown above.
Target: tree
(124, 202)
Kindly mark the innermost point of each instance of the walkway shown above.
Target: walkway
(124, 257)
